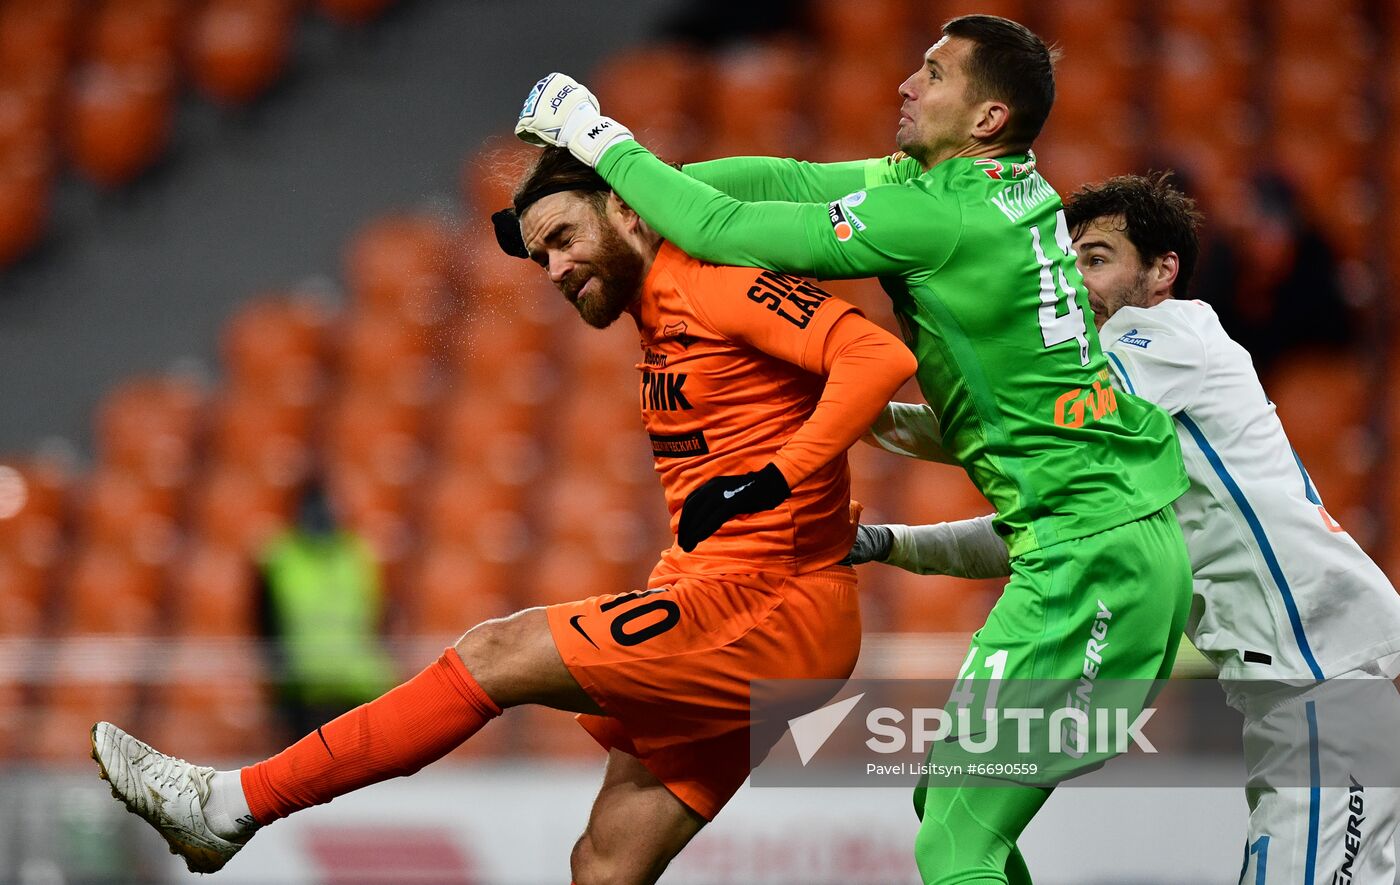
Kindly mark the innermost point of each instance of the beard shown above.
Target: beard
(1135, 295)
(617, 274)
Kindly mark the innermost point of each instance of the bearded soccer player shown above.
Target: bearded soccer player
(753, 385)
(1294, 615)
(971, 244)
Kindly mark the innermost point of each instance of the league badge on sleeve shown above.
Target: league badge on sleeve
(844, 222)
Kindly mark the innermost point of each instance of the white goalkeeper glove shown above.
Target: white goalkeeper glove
(560, 111)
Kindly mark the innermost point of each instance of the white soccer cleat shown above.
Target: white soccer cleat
(167, 793)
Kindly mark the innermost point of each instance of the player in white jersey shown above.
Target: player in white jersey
(1299, 621)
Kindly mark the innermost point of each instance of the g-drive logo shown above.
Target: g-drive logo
(979, 732)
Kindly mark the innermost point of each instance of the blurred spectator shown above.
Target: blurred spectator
(1277, 287)
(323, 602)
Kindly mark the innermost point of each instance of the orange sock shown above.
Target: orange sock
(396, 734)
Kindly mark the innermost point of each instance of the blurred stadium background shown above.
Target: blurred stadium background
(243, 243)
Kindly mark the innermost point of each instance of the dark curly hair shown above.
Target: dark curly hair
(1157, 218)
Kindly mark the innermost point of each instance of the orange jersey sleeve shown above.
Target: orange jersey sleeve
(738, 370)
(864, 365)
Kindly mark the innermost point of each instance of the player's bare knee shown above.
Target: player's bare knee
(512, 658)
(593, 864)
(492, 649)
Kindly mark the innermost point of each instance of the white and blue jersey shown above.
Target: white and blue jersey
(1282, 591)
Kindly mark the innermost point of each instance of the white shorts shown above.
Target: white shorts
(1323, 789)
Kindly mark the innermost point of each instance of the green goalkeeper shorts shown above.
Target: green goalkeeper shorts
(1092, 623)
(1054, 682)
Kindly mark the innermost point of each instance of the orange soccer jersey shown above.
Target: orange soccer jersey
(733, 369)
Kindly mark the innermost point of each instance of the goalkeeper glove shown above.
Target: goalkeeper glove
(561, 112)
(873, 544)
(721, 499)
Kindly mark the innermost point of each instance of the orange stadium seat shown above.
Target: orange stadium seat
(1299, 26)
(1332, 185)
(1316, 94)
(23, 594)
(1223, 17)
(876, 478)
(276, 345)
(450, 589)
(376, 509)
(938, 493)
(1200, 83)
(38, 36)
(651, 89)
(548, 733)
(382, 354)
(1068, 159)
(568, 570)
(259, 435)
(213, 592)
(400, 264)
(455, 502)
(118, 508)
(135, 32)
(31, 548)
(859, 112)
(88, 679)
(605, 434)
(212, 703)
(15, 716)
(754, 106)
(377, 434)
(928, 18)
(109, 592)
(26, 122)
(1092, 100)
(864, 30)
(492, 284)
(868, 296)
(237, 49)
(490, 431)
(233, 507)
(1105, 68)
(118, 121)
(938, 603)
(149, 426)
(510, 351)
(1322, 402)
(25, 196)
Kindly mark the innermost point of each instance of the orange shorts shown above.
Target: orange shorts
(671, 666)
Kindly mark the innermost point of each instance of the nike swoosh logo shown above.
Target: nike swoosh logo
(729, 493)
(573, 622)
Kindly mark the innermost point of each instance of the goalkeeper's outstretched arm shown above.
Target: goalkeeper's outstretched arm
(757, 179)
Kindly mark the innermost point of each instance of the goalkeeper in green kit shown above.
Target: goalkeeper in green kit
(971, 244)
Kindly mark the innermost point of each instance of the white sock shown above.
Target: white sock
(227, 811)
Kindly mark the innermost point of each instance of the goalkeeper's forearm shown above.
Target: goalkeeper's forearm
(968, 548)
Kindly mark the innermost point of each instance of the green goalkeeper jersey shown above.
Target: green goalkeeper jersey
(977, 259)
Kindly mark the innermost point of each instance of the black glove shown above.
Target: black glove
(873, 544)
(721, 499)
